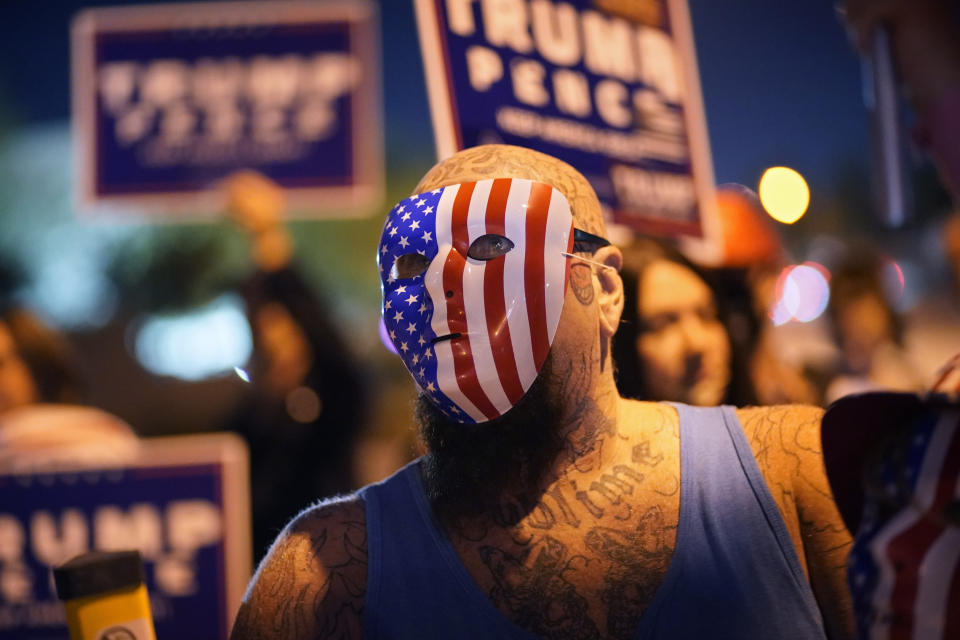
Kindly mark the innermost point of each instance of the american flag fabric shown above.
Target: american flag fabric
(904, 567)
(502, 313)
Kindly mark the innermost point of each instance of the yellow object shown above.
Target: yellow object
(123, 614)
(105, 596)
(784, 194)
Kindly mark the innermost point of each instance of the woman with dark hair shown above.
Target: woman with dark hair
(307, 402)
(672, 343)
(36, 363)
(41, 425)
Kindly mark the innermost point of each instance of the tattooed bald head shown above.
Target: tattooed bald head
(507, 161)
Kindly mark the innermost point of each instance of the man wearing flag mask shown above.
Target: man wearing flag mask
(547, 505)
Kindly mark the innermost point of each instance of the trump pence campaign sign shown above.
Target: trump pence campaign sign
(168, 100)
(609, 86)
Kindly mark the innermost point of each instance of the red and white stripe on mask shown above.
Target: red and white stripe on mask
(474, 323)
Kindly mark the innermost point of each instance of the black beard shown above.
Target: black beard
(470, 467)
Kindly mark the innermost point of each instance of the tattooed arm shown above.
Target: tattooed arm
(312, 584)
(786, 443)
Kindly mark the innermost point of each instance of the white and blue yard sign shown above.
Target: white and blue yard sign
(609, 86)
(184, 505)
(168, 100)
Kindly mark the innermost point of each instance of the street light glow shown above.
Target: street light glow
(784, 194)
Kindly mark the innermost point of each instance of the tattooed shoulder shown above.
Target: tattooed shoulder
(782, 436)
(313, 581)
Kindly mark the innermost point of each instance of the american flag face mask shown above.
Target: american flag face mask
(474, 277)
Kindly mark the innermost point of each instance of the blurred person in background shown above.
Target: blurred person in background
(925, 42)
(306, 405)
(932, 325)
(41, 422)
(926, 50)
(746, 282)
(868, 332)
(893, 460)
(36, 363)
(672, 344)
(951, 243)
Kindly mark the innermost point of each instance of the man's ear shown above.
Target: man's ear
(610, 298)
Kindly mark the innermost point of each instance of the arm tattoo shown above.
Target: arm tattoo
(786, 443)
(313, 582)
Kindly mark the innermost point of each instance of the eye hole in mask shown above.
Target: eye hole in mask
(489, 246)
(409, 265)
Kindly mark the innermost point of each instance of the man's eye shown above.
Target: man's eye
(409, 265)
(489, 246)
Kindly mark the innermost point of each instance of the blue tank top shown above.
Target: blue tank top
(734, 571)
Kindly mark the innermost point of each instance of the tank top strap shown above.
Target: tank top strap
(717, 447)
(761, 491)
